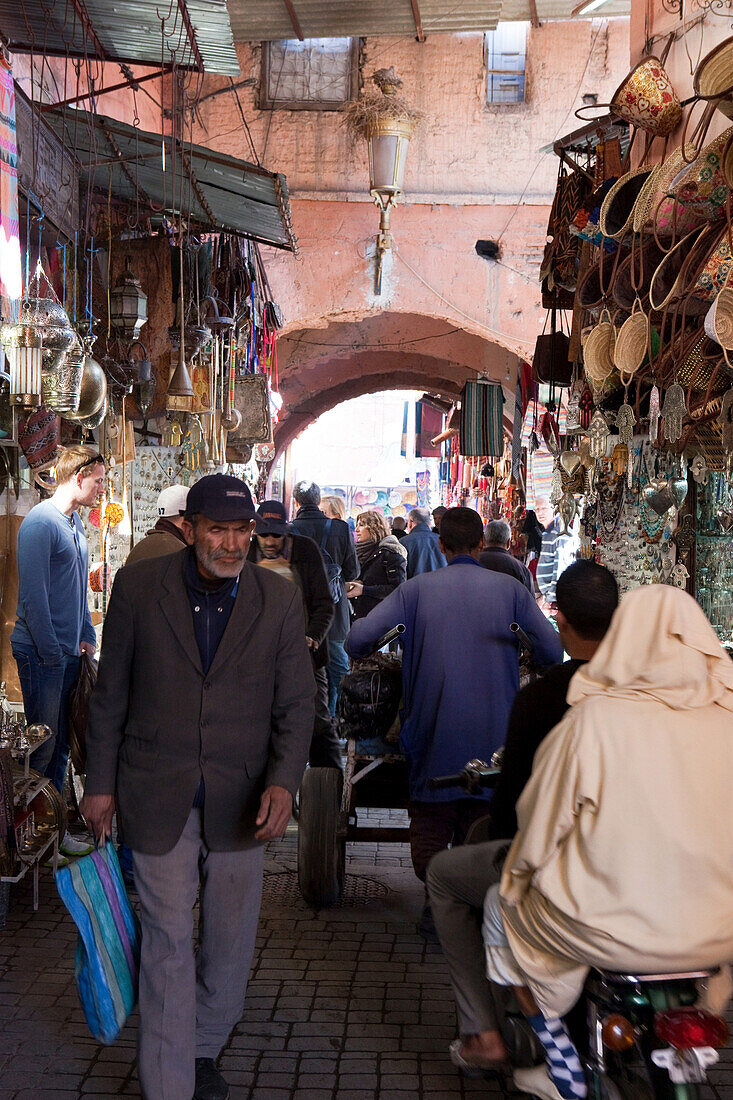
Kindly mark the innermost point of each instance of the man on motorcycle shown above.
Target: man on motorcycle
(625, 843)
(458, 878)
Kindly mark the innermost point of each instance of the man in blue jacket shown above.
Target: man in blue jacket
(460, 674)
(422, 545)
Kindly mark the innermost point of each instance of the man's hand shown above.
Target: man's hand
(311, 643)
(87, 647)
(276, 806)
(354, 589)
(97, 811)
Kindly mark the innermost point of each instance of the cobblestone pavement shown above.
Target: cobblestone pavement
(349, 1004)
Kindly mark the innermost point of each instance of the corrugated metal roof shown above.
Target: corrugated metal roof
(123, 30)
(267, 20)
(220, 191)
(514, 10)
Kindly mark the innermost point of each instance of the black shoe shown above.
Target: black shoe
(210, 1085)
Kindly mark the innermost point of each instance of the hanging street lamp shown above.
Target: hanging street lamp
(387, 123)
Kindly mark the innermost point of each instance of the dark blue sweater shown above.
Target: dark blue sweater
(211, 606)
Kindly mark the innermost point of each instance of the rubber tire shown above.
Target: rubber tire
(321, 853)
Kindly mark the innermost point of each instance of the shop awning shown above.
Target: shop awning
(197, 33)
(219, 191)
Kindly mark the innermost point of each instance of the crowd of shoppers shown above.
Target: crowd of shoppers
(224, 647)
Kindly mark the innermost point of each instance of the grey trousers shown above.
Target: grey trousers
(457, 881)
(190, 1002)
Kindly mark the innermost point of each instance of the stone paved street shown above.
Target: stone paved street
(349, 1004)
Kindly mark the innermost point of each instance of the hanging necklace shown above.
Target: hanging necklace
(610, 500)
(652, 524)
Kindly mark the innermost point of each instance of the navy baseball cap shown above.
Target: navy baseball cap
(271, 518)
(220, 497)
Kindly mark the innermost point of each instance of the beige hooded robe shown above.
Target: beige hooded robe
(624, 855)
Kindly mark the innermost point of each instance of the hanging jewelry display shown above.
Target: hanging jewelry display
(700, 471)
(652, 522)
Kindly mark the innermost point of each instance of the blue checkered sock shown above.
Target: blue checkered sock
(563, 1063)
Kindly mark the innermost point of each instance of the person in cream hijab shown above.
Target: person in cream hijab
(624, 855)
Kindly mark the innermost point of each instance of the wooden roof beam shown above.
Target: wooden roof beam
(418, 20)
(295, 22)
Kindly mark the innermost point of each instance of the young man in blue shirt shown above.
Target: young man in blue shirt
(53, 625)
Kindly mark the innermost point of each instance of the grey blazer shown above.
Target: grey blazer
(156, 723)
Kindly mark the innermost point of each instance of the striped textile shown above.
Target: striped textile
(108, 949)
(481, 429)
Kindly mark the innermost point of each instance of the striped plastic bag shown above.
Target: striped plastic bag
(108, 950)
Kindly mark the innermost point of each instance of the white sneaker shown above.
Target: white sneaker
(70, 846)
(537, 1082)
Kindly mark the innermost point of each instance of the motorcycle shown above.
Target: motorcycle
(641, 1036)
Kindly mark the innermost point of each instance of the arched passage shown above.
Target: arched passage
(319, 367)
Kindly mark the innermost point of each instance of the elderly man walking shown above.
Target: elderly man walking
(496, 554)
(422, 545)
(199, 727)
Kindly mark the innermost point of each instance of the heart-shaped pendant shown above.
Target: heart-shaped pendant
(678, 485)
(570, 460)
(659, 496)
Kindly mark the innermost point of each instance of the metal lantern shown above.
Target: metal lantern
(128, 308)
(38, 348)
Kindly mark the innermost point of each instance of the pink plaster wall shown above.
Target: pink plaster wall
(468, 167)
(465, 149)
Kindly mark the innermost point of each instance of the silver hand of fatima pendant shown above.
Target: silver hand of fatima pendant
(673, 411)
(597, 435)
(625, 421)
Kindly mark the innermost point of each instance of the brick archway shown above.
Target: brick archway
(320, 367)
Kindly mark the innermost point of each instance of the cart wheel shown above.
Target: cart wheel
(321, 852)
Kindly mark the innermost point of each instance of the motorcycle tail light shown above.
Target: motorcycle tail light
(684, 1028)
(618, 1033)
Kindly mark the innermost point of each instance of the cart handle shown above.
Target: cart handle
(521, 636)
(387, 638)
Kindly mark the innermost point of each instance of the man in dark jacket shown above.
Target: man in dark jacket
(298, 559)
(423, 549)
(198, 734)
(458, 879)
(495, 554)
(338, 543)
(167, 536)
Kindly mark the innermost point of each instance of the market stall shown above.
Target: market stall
(636, 281)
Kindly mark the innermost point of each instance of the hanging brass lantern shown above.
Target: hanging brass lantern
(128, 304)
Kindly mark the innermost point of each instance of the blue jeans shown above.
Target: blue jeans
(46, 690)
(337, 667)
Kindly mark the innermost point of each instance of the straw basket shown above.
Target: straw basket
(617, 209)
(598, 349)
(647, 99)
(713, 79)
(719, 321)
(633, 341)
